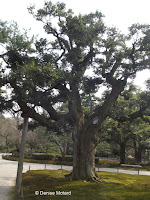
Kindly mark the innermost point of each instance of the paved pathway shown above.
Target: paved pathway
(7, 177)
(115, 170)
(8, 171)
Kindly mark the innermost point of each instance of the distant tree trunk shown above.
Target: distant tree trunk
(21, 155)
(7, 143)
(138, 155)
(138, 151)
(123, 152)
(62, 147)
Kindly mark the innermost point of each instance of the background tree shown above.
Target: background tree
(141, 138)
(127, 125)
(7, 131)
(119, 135)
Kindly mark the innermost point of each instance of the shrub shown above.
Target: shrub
(15, 153)
(42, 156)
(96, 160)
(58, 158)
(67, 158)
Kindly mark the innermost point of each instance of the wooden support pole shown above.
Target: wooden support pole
(21, 155)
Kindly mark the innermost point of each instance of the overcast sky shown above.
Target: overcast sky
(120, 14)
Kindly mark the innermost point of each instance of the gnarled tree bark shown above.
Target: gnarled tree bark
(84, 156)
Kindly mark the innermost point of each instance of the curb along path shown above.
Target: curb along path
(123, 171)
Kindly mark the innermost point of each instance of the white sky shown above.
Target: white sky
(121, 14)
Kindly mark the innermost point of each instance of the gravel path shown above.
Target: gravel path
(8, 171)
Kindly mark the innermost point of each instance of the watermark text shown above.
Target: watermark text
(52, 193)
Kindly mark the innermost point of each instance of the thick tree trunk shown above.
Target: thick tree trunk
(21, 156)
(84, 137)
(84, 157)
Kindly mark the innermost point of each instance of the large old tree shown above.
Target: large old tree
(79, 55)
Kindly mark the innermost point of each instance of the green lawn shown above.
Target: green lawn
(116, 186)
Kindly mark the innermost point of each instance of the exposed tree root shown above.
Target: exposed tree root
(68, 176)
(95, 178)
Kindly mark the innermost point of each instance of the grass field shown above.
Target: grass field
(116, 186)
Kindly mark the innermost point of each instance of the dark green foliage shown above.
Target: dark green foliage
(128, 127)
(91, 85)
(68, 158)
(78, 42)
(96, 161)
(4, 32)
(42, 156)
(55, 157)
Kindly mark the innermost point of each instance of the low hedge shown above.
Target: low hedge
(67, 158)
(42, 156)
(96, 160)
